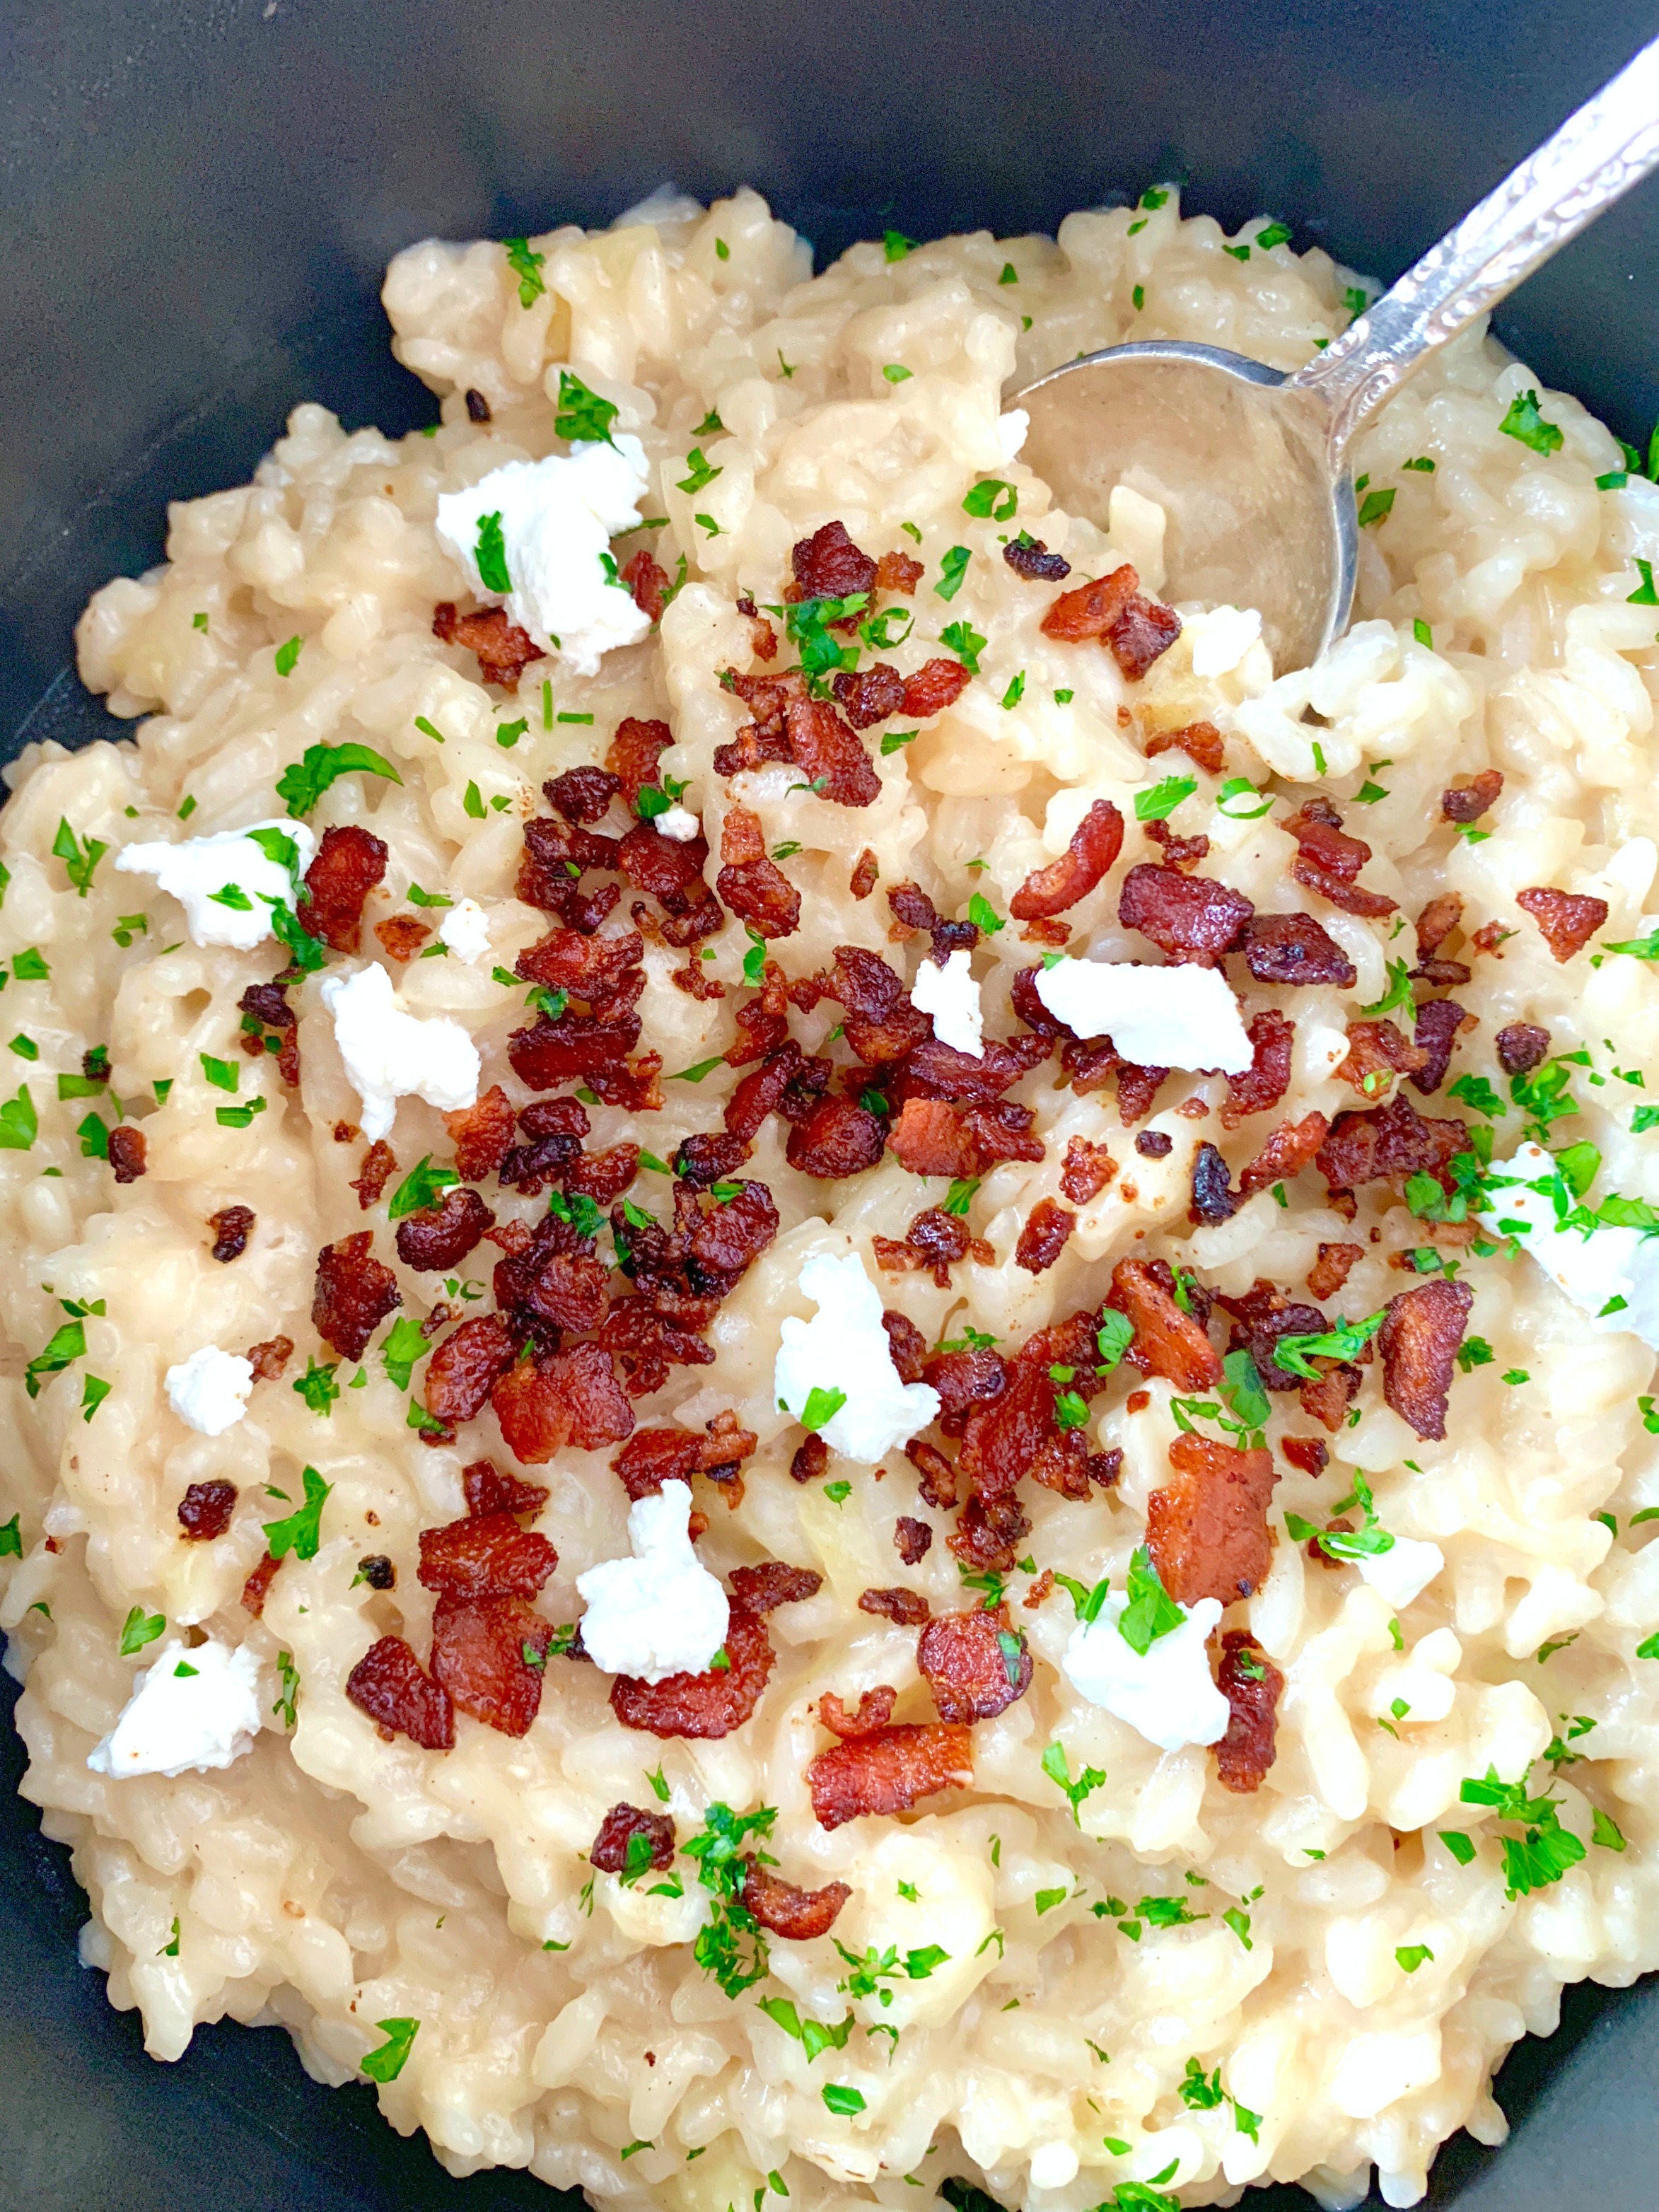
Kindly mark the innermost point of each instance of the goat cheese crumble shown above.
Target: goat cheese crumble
(660, 1612)
(845, 1349)
(209, 1390)
(1221, 638)
(199, 870)
(466, 930)
(557, 519)
(679, 824)
(191, 1710)
(1165, 1694)
(950, 995)
(390, 1054)
(1175, 1016)
(1591, 1270)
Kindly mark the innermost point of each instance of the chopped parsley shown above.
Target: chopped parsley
(1525, 422)
(732, 1946)
(288, 656)
(303, 782)
(527, 268)
(1543, 1850)
(1345, 1545)
(1376, 507)
(79, 861)
(1163, 797)
(992, 498)
(953, 567)
(140, 1628)
(965, 641)
(583, 418)
(1058, 1770)
(300, 1532)
(386, 2063)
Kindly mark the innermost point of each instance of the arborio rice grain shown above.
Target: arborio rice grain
(1170, 1983)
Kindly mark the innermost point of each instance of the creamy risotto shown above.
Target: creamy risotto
(829, 1367)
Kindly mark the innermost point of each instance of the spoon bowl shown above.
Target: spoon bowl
(1249, 464)
(1239, 458)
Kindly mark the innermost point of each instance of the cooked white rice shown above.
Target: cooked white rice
(329, 1880)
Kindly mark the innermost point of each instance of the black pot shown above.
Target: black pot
(199, 198)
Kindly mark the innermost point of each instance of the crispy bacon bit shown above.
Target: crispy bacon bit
(913, 1539)
(582, 794)
(761, 1589)
(380, 1165)
(1439, 919)
(1388, 1143)
(349, 862)
(1007, 1438)
(128, 1147)
(882, 1024)
(1167, 1341)
(481, 1134)
(466, 1366)
(490, 1655)
(930, 1137)
(485, 1555)
(711, 1703)
(1212, 1196)
(862, 881)
(1043, 1237)
(206, 1508)
(354, 1294)
(1252, 1685)
(1029, 557)
(1522, 1046)
(827, 565)
(595, 969)
(1295, 948)
(938, 1484)
(872, 1713)
(440, 1237)
(232, 1226)
(1568, 919)
(391, 1686)
(889, 1772)
(256, 1587)
(604, 1176)
(1333, 1267)
(695, 980)
(575, 1047)
(797, 1915)
(830, 755)
(673, 874)
(1418, 1340)
(488, 1491)
(898, 572)
(1311, 1454)
(906, 1606)
(1146, 629)
(811, 1459)
(963, 1381)
(1187, 917)
(268, 1359)
(1377, 1052)
(402, 935)
(1328, 859)
(1085, 1170)
(1471, 800)
(914, 910)
(976, 1666)
(933, 687)
(1439, 1021)
(1267, 1078)
(378, 1571)
(653, 1457)
(647, 583)
(989, 1532)
(1096, 843)
(609, 1849)
(754, 887)
(633, 754)
(1137, 1087)
(1207, 1530)
(1182, 853)
(504, 651)
(1201, 741)
(1286, 1152)
(573, 1399)
(1154, 1145)
(1490, 937)
(1089, 609)
(1330, 1398)
(870, 695)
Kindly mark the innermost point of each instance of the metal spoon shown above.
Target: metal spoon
(1248, 463)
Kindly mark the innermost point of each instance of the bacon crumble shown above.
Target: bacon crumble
(350, 860)
(232, 1226)
(1207, 1530)
(797, 1915)
(1419, 1340)
(1095, 844)
(889, 1771)
(1252, 1685)
(1568, 920)
(354, 1294)
(503, 650)
(206, 1508)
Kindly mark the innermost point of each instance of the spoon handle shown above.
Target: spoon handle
(1610, 144)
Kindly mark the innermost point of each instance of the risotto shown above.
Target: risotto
(830, 1366)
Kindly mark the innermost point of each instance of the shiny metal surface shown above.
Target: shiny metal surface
(1249, 464)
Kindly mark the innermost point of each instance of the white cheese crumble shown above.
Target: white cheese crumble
(1166, 1693)
(557, 519)
(1010, 431)
(679, 824)
(1403, 1573)
(195, 869)
(1591, 1270)
(1175, 1016)
(1221, 638)
(660, 1612)
(466, 930)
(950, 995)
(191, 1710)
(209, 1390)
(844, 1347)
(390, 1054)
